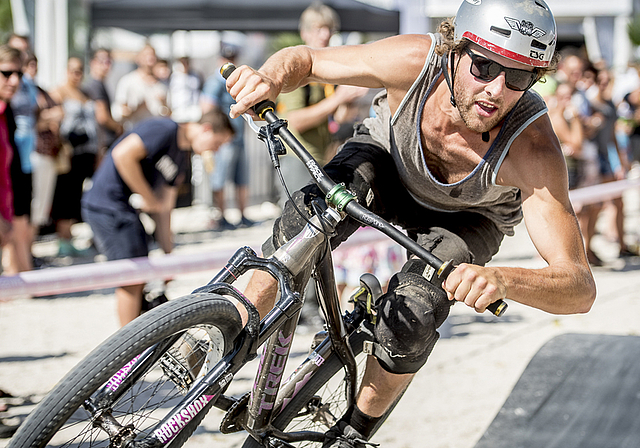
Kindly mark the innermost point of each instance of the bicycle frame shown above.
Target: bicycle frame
(289, 265)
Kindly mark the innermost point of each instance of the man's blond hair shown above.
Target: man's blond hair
(10, 54)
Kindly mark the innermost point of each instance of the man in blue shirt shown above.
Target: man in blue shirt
(145, 161)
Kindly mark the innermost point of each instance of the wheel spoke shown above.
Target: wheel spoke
(150, 398)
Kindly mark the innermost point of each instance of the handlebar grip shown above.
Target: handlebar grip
(262, 106)
(498, 307)
(227, 69)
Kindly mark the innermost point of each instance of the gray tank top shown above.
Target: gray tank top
(478, 192)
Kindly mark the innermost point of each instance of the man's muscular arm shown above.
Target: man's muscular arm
(391, 63)
(536, 166)
(127, 155)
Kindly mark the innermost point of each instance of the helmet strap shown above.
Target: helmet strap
(445, 72)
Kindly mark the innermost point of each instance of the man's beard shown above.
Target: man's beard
(466, 105)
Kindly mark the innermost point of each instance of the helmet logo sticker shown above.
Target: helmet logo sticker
(526, 28)
(474, 2)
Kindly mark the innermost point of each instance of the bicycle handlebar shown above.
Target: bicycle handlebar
(266, 111)
(262, 106)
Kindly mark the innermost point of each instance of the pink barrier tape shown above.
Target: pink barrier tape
(110, 274)
(601, 192)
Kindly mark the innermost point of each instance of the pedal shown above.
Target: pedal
(183, 363)
(175, 369)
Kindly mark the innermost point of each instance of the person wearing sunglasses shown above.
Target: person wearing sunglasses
(459, 152)
(11, 175)
(10, 74)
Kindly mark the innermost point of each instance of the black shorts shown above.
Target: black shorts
(118, 235)
(68, 192)
(369, 171)
(22, 191)
(21, 185)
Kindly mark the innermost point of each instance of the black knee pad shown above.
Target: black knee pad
(408, 316)
(432, 284)
(290, 223)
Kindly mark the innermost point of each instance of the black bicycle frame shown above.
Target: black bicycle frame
(276, 329)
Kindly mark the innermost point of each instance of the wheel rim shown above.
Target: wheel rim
(153, 396)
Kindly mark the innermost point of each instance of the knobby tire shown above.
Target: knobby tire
(62, 412)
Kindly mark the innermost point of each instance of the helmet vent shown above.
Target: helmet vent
(501, 31)
(537, 44)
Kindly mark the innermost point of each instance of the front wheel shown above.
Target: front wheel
(190, 335)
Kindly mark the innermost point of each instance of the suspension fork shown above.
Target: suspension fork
(194, 401)
(119, 383)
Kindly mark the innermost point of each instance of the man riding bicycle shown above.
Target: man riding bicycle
(458, 153)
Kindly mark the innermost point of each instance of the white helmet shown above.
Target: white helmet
(520, 30)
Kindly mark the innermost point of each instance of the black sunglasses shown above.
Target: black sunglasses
(7, 73)
(487, 70)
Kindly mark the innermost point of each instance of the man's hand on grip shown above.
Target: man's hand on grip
(476, 286)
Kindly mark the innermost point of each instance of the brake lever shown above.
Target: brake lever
(252, 124)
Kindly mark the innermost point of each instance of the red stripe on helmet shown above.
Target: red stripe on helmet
(503, 51)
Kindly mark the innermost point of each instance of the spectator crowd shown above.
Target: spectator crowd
(596, 119)
(56, 140)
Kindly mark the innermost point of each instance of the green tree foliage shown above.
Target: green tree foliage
(6, 19)
(634, 30)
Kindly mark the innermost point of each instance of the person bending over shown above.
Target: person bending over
(146, 161)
